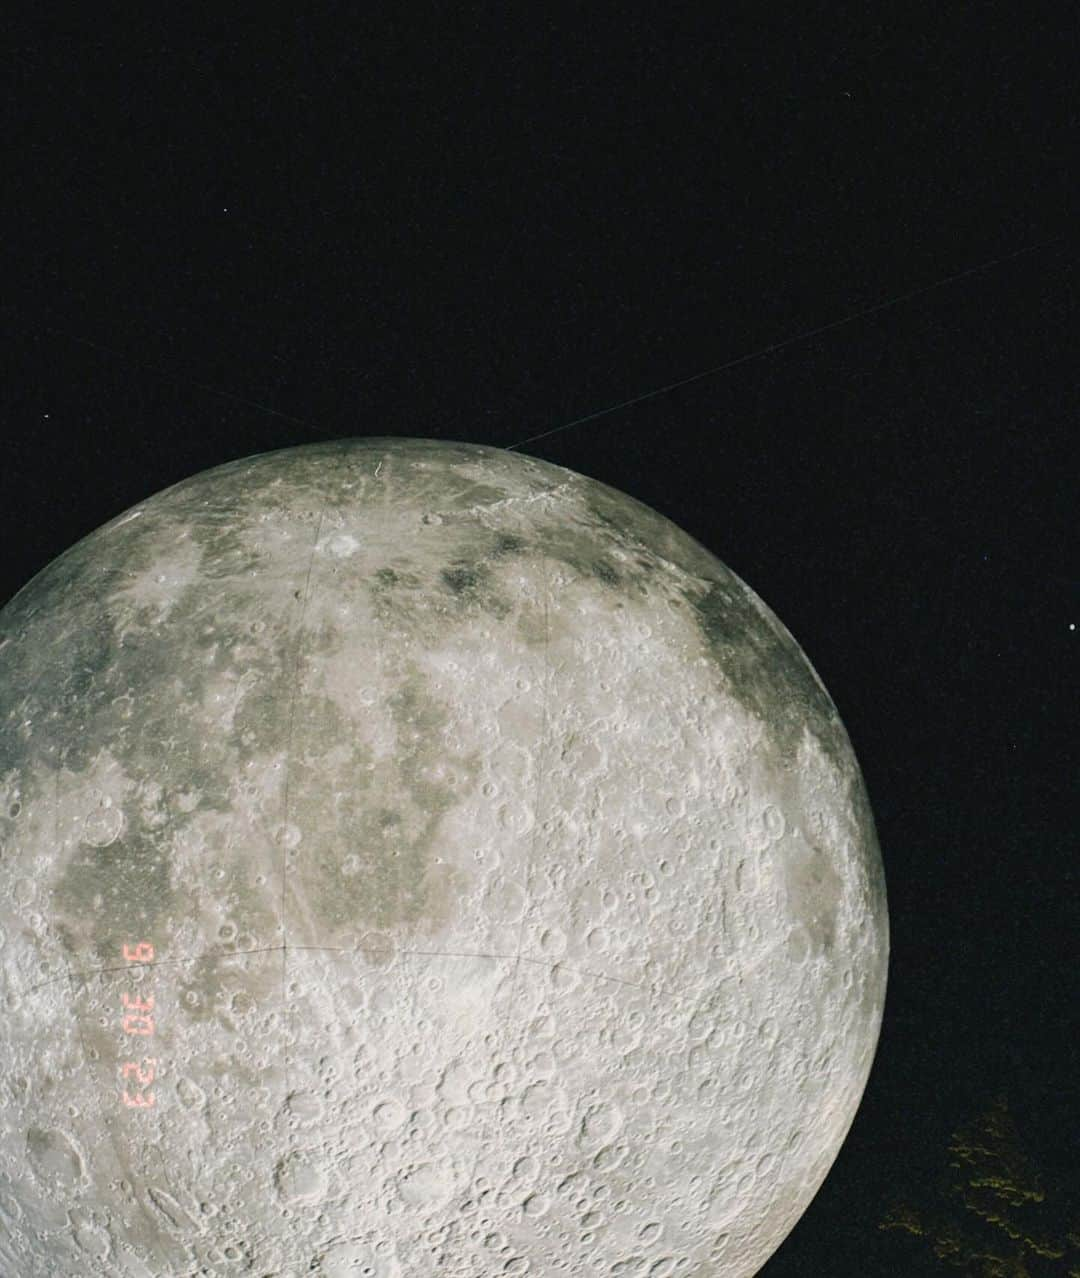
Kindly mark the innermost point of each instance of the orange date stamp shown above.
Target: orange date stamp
(138, 1020)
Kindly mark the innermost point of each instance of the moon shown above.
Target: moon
(419, 858)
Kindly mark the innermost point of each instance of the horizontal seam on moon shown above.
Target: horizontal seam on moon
(334, 949)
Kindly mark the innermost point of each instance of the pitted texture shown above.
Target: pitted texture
(513, 890)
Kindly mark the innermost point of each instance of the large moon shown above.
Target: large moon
(418, 858)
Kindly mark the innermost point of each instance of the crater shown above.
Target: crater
(54, 1158)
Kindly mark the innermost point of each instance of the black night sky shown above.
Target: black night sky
(485, 223)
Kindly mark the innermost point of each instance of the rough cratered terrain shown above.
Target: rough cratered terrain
(514, 895)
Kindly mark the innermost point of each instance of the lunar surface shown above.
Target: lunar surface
(419, 859)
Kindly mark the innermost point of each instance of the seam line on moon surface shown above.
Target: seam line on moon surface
(86, 974)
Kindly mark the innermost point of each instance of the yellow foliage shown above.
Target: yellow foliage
(980, 1221)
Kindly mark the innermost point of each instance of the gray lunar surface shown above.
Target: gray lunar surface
(512, 890)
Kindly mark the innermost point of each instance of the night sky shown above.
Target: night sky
(803, 282)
